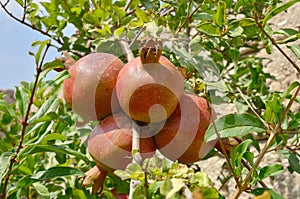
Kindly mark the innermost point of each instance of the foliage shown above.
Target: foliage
(43, 150)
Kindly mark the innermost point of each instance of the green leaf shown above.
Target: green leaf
(166, 187)
(209, 193)
(7, 109)
(260, 191)
(57, 64)
(22, 99)
(141, 15)
(54, 136)
(232, 125)
(270, 170)
(295, 48)
(139, 192)
(220, 16)
(45, 118)
(132, 171)
(40, 49)
(279, 9)
(237, 154)
(54, 148)
(55, 172)
(50, 105)
(209, 29)
(4, 163)
(177, 185)
(41, 190)
(294, 163)
(200, 179)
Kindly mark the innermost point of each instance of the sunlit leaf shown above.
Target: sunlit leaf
(41, 190)
(278, 10)
(234, 125)
(270, 170)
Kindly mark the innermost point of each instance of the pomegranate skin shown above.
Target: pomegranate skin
(90, 89)
(182, 137)
(110, 143)
(149, 92)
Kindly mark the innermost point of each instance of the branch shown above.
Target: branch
(127, 6)
(188, 18)
(274, 132)
(24, 124)
(22, 21)
(276, 45)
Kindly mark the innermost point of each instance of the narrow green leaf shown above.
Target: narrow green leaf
(54, 148)
(41, 190)
(270, 170)
(238, 152)
(50, 105)
(40, 50)
(4, 163)
(286, 32)
(220, 16)
(278, 10)
(45, 118)
(289, 39)
(55, 172)
(234, 125)
(54, 136)
(295, 48)
(53, 64)
(7, 109)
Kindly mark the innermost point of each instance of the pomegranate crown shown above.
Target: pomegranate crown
(150, 50)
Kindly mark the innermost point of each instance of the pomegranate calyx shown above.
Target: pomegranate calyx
(150, 50)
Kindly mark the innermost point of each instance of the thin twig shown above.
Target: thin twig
(252, 109)
(222, 145)
(289, 105)
(188, 18)
(29, 25)
(24, 11)
(137, 36)
(24, 124)
(276, 45)
(127, 6)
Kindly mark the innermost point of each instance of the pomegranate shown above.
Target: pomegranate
(149, 87)
(90, 89)
(182, 137)
(110, 143)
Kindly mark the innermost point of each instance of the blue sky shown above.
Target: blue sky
(16, 64)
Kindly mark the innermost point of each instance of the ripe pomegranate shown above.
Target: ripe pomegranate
(90, 89)
(110, 143)
(149, 87)
(182, 137)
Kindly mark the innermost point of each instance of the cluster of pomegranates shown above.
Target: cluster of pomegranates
(148, 90)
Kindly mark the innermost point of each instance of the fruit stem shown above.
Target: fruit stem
(150, 50)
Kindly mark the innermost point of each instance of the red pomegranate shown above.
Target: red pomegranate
(110, 143)
(90, 89)
(149, 87)
(182, 137)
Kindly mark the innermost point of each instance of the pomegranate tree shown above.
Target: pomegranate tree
(90, 89)
(182, 137)
(149, 86)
